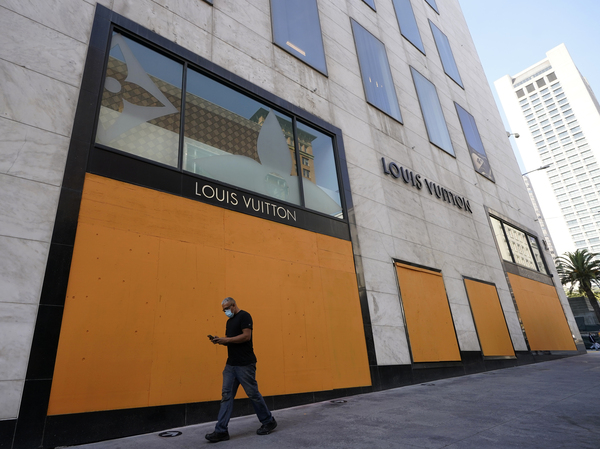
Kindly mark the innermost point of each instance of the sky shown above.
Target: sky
(511, 35)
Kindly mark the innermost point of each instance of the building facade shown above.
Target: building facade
(339, 168)
(555, 111)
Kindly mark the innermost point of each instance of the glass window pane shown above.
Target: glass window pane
(140, 112)
(502, 243)
(375, 71)
(237, 140)
(319, 174)
(408, 23)
(537, 254)
(296, 29)
(433, 4)
(443, 46)
(371, 3)
(432, 112)
(474, 143)
(520, 249)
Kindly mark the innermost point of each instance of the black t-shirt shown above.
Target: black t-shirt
(240, 354)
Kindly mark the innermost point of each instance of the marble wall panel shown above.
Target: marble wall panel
(455, 289)
(21, 269)
(348, 80)
(197, 12)
(455, 244)
(376, 245)
(371, 214)
(16, 332)
(32, 153)
(462, 317)
(245, 39)
(515, 331)
(413, 253)
(385, 309)
(409, 227)
(391, 346)
(314, 102)
(255, 13)
(162, 21)
(353, 102)
(33, 46)
(362, 156)
(380, 276)
(467, 340)
(401, 198)
(383, 123)
(28, 208)
(243, 65)
(365, 183)
(10, 392)
(32, 98)
(70, 17)
(353, 126)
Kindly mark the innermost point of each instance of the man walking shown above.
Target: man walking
(239, 369)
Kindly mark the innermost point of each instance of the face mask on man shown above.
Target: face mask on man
(229, 313)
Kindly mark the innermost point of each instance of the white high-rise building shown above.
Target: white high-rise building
(553, 109)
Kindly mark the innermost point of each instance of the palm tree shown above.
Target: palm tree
(582, 268)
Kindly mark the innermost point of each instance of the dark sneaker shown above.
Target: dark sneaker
(267, 428)
(215, 437)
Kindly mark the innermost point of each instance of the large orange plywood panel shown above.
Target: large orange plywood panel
(489, 319)
(149, 272)
(542, 315)
(428, 317)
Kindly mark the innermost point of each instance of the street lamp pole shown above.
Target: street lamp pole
(543, 167)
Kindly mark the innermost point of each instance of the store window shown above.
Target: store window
(375, 71)
(474, 143)
(408, 24)
(443, 46)
(432, 112)
(140, 112)
(297, 30)
(517, 246)
(227, 136)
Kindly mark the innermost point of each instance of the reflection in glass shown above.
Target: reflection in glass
(297, 30)
(520, 249)
(474, 143)
(502, 243)
(537, 254)
(408, 23)
(141, 102)
(443, 46)
(432, 113)
(234, 139)
(319, 174)
(375, 71)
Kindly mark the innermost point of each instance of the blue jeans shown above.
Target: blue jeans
(233, 376)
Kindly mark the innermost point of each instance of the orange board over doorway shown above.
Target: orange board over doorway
(148, 275)
(428, 317)
(489, 319)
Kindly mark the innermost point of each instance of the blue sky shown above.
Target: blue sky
(511, 35)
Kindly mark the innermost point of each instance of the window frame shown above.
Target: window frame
(528, 236)
(446, 42)
(353, 24)
(323, 71)
(418, 45)
(441, 110)
(99, 152)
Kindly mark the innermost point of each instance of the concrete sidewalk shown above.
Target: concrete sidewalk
(545, 405)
